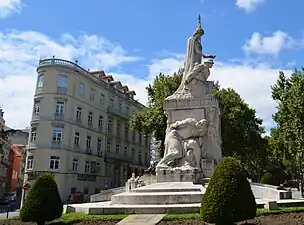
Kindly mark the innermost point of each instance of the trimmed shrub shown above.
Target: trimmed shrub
(267, 178)
(43, 202)
(228, 198)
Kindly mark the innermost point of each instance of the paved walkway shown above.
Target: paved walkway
(142, 219)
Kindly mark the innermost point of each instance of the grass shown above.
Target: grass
(78, 217)
(260, 212)
(71, 218)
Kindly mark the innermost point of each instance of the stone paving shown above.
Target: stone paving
(142, 219)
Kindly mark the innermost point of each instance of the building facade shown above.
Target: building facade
(19, 139)
(5, 148)
(15, 169)
(79, 130)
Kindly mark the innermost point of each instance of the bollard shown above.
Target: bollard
(8, 208)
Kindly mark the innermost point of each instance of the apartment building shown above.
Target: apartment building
(79, 129)
(5, 148)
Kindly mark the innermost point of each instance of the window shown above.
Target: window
(36, 107)
(109, 145)
(30, 162)
(126, 132)
(102, 98)
(127, 110)
(87, 167)
(120, 106)
(139, 157)
(90, 118)
(100, 122)
(54, 162)
(146, 158)
(78, 114)
(62, 83)
(125, 150)
(60, 105)
(92, 94)
(146, 141)
(110, 124)
(140, 138)
(81, 89)
(77, 139)
(57, 135)
(99, 146)
(98, 168)
(85, 190)
(133, 153)
(73, 190)
(33, 134)
(97, 191)
(93, 167)
(118, 129)
(108, 170)
(40, 81)
(111, 103)
(117, 149)
(133, 135)
(88, 145)
(75, 164)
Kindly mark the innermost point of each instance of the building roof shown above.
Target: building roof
(25, 130)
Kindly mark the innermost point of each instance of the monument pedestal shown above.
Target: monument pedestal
(175, 175)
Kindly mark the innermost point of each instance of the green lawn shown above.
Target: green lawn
(78, 217)
(260, 212)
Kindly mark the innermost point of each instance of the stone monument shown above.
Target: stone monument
(193, 135)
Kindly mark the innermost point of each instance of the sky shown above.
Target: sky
(135, 40)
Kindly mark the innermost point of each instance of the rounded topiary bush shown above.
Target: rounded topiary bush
(267, 178)
(43, 202)
(228, 198)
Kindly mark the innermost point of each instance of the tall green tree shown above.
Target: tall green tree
(241, 132)
(287, 139)
(153, 120)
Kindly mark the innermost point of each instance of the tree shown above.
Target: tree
(287, 139)
(43, 202)
(241, 132)
(153, 121)
(228, 198)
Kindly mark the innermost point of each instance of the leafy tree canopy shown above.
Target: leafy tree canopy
(287, 138)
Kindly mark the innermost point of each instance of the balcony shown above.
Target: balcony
(31, 145)
(86, 177)
(56, 144)
(58, 116)
(118, 113)
(62, 90)
(61, 62)
(117, 156)
(88, 150)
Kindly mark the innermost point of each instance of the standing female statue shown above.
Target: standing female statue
(193, 61)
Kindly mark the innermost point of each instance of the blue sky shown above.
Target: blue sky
(135, 40)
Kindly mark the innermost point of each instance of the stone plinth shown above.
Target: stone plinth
(174, 175)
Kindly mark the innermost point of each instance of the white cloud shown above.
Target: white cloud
(8, 7)
(249, 5)
(252, 82)
(271, 45)
(20, 52)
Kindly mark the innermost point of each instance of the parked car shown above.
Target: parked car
(8, 197)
